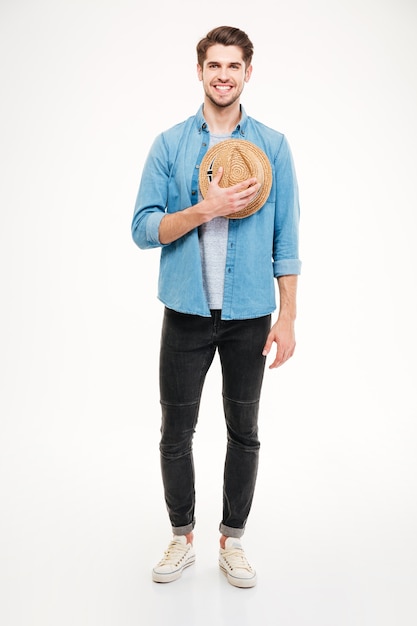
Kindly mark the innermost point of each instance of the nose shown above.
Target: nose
(223, 74)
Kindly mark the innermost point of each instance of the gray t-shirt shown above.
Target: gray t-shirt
(213, 249)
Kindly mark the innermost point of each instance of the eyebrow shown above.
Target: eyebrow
(228, 63)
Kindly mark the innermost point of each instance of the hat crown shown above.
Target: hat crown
(240, 160)
(237, 167)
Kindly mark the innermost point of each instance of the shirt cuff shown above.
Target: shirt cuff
(285, 267)
(152, 228)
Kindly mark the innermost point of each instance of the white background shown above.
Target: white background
(85, 87)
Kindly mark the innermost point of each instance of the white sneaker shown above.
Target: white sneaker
(234, 564)
(179, 554)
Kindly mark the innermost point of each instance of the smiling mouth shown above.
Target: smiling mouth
(222, 88)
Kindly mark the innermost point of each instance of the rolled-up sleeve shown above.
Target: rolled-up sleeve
(287, 215)
(151, 200)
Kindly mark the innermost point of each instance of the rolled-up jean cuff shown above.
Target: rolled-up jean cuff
(227, 531)
(183, 530)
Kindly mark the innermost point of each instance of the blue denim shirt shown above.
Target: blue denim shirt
(260, 247)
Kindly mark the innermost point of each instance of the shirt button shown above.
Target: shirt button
(193, 193)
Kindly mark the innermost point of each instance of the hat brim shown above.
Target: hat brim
(240, 160)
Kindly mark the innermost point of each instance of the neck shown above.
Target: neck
(221, 120)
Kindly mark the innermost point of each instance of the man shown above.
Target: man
(217, 284)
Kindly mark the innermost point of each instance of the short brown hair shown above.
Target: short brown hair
(226, 36)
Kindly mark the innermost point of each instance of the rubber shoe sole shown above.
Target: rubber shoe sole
(169, 577)
(243, 583)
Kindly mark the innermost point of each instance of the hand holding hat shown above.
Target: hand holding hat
(240, 160)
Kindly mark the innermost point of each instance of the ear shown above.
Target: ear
(199, 72)
(248, 73)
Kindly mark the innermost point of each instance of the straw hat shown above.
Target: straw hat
(240, 160)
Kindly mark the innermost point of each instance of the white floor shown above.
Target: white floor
(83, 528)
(94, 580)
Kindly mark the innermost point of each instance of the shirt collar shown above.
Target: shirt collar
(240, 127)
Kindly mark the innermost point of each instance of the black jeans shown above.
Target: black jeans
(188, 346)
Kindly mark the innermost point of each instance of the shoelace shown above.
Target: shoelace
(174, 553)
(236, 559)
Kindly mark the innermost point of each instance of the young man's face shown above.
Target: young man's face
(223, 74)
